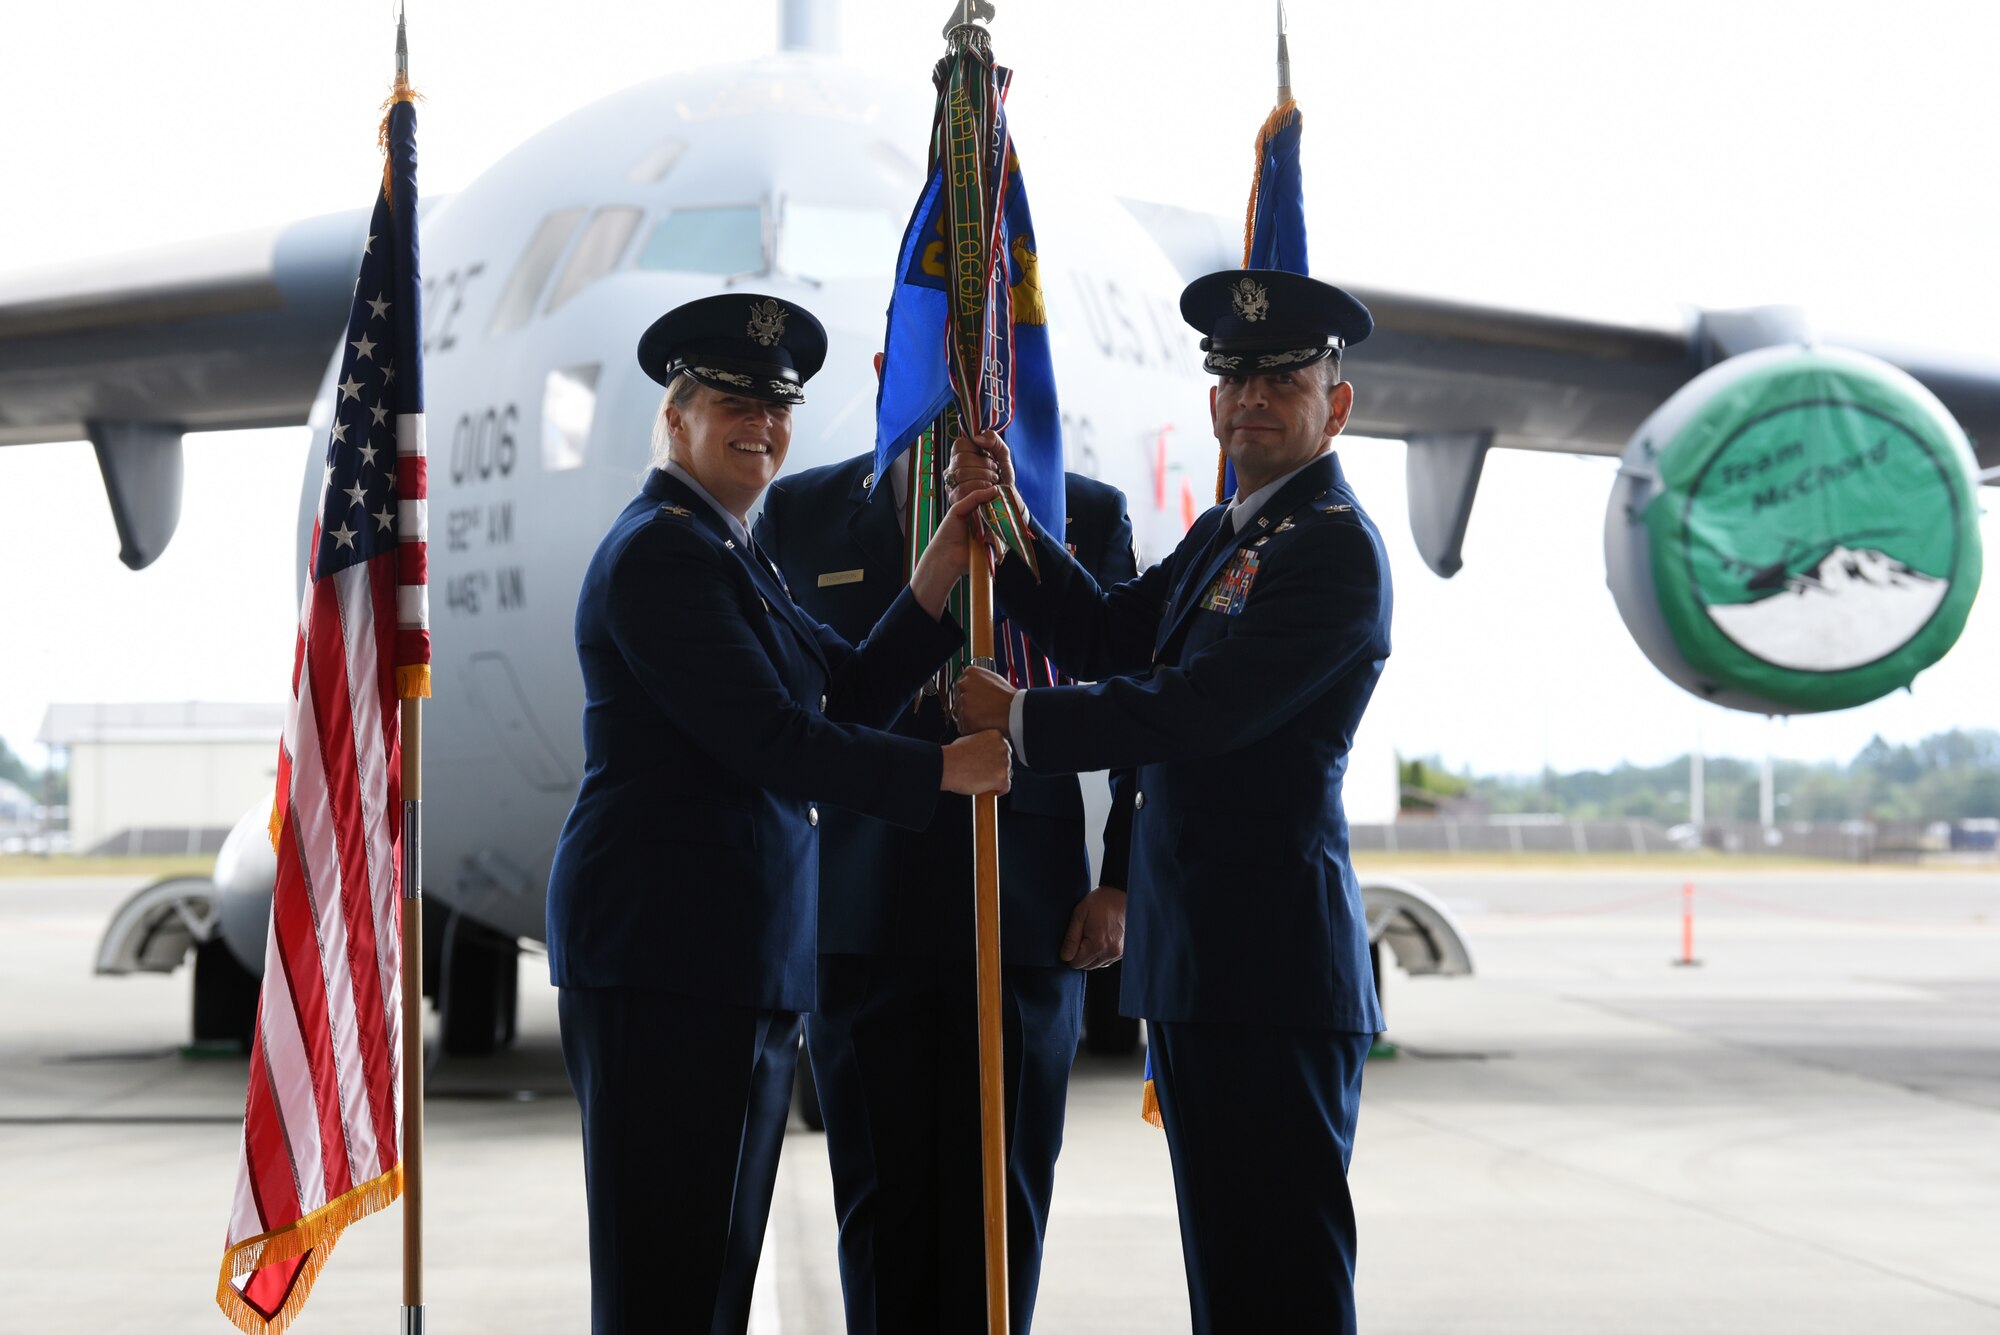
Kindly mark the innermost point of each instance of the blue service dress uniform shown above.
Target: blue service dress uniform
(894, 1038)
(681, 907)
(1233, 675)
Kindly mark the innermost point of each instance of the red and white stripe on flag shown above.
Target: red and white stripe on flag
(322, 1121)
(323, 1116)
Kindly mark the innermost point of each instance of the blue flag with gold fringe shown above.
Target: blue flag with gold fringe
(1274, 225)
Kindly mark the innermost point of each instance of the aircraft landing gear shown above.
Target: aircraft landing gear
(225, 998)
(478, 988)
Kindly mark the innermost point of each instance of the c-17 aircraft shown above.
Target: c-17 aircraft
(792, 174)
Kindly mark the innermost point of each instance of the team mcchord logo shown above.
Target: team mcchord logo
(1810, 528)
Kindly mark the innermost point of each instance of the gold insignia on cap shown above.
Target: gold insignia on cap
(767, 322)
(1251, 301)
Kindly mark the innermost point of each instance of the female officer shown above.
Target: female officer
(682, 900)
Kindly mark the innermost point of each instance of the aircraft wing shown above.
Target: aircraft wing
(131, 353)
(1455, 379)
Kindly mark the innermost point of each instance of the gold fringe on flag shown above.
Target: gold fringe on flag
(1149, 1106)
(281, 796)
(311, 1237)
(414, 682)
(401, 92)
(1272, 124)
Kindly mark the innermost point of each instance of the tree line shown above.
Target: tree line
(1947, 776)
(50, 786)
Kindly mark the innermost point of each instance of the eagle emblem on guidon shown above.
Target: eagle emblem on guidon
(767, 322)
(1250, 300)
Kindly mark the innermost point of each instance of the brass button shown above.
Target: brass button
(1138, 802)
(812, 815)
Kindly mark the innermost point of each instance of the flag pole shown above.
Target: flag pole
(964, 149)
(413, 1018)
(411, 718)
(986, 937)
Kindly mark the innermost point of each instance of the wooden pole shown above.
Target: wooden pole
(413, 1019)
(986, 935)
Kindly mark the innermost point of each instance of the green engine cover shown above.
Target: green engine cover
(1813, 533)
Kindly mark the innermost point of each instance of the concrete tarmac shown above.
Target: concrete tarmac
(1801, 1134)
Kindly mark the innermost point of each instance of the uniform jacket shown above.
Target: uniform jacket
(1245, 672)
(690, 862)
(885, 890)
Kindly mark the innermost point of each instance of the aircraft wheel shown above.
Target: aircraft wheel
(1105, 1031)
(225, 996)
(478, 989)
(805, 1094)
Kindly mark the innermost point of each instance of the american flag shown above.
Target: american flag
(322, 1122)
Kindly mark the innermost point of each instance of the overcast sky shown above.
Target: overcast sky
(1608, 159)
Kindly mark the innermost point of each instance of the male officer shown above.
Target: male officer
(1252, 652)
(682, 897)
(894, 1039)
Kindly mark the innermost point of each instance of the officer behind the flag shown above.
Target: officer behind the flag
(1250, 654)
(681, 902)
(894, 1039)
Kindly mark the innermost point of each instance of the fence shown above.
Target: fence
(1557, 836)
(157, 843)
(1848, 841)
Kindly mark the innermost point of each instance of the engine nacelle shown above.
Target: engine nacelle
(1795, 530)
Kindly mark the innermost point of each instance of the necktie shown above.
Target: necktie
(1223, 538)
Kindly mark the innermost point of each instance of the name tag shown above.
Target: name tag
(1232, 587)
(833, 577)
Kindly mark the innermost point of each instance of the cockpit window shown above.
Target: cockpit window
(827, 241)
(532, 270)
(727, 239)
(596, 252)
